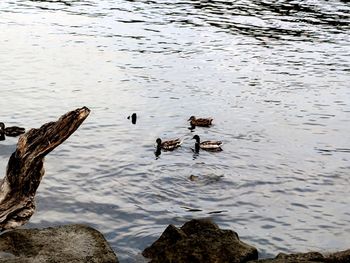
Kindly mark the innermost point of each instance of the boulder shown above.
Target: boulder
(70, 243)
(339, 257)
(199, 241)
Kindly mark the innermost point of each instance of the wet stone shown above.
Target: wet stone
(199, 241)
(310, 257)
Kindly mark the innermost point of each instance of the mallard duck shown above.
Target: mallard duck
(12, 131)
(168, 145)
(207, 145)
(202, 122)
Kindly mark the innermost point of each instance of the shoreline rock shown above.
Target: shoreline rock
(199, 241)
(202, 241)
(69, 243)
(309, 257)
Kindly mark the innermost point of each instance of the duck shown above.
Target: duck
(11, 131)
(168, 145)
(201, 122)
(207, 145)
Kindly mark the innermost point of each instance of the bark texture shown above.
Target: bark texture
(25, 168)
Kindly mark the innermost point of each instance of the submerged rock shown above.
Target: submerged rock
(70, 243)
(199, 241)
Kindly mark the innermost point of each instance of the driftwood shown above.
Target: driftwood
(25, 168)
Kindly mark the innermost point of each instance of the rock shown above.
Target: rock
(301, 257)
(310, 257)
(70, 243)
(339, 257)
(199, 241)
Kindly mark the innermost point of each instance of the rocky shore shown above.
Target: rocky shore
(197, 241)
(200, 241)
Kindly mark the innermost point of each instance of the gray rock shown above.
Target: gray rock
(199, 241)
(339, 257)
(70, 243)
(310, 257)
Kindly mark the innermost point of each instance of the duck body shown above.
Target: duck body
(14, 131)
(201, 122)
(168, 145)
(207, 145)
(11, 131)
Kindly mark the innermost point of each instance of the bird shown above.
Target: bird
(168, 145)
(201, 122)
(11, 131)
(207, 145)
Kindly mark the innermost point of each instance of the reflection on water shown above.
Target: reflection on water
(273, 74)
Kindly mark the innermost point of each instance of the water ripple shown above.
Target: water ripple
(272, 74)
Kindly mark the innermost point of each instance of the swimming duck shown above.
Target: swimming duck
(201, 122)
(168, 145)
(207, 145)
(11, 131)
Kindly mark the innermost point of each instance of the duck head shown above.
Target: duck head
(196, 137)
(159, 142)
(192, 118)
(2, 126)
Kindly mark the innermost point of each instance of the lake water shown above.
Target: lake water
(274, 75)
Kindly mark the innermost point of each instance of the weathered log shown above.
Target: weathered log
(25, 168)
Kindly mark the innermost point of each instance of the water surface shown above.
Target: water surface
(274, 75)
